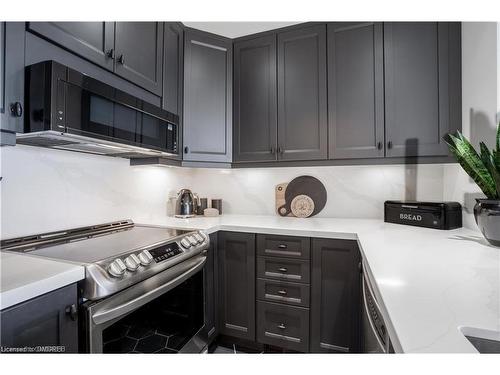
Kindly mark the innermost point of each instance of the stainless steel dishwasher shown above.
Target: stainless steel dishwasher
(375, 336)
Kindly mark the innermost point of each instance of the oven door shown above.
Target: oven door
(163, 314)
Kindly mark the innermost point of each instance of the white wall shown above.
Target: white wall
(45, 190)
(480, 82)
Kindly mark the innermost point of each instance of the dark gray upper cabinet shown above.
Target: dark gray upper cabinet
(355, 90)
(255, 106)
(302, 94)
(91, 40)
(335, 297)
(416, 88)
(173, 55)
(48, 320)
(236, 267)
(207, 97)
(139, 53)
(12, 39)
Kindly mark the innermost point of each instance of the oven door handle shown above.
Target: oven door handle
(138, 295)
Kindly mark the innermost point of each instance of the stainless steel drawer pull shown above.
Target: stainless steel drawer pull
(282, 246)
(283, 269)
(282, 292)
(281, 326)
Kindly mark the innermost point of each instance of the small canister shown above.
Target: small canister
(203, 204)
(217, 204)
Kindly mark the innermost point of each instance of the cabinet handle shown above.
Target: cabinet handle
(186, 150)
(282, 246)
(110, 53)
(16, 109)
(72, 312)
(280, 150)
(121, 59)
(281, 326)
(273, 150)
(379, 145)
(283, 269)
(389, 144)
(282, 292)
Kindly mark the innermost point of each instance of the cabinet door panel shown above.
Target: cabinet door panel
(172, 67)
(139, 53)
(335, 297)
(207, 98)
(237, 284)
(91, 40)
(302, 100)
(355, 90)
(255, 106)
(42, 321)
(12, 79)
(416, 86)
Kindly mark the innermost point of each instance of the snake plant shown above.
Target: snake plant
(482, 167)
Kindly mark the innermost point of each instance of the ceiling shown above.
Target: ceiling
(237, 29)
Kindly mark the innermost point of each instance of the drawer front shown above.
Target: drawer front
(283, 326)
(283, 269)
(283, 246)
(283, 292)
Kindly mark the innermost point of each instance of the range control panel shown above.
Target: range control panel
(165, 252)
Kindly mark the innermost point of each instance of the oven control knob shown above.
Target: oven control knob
(199, 238)
(132, 262)
(145, 258)
(117, 268)
(192, 240)
(185, 243)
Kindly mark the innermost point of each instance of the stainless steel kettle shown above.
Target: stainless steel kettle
(186, 204)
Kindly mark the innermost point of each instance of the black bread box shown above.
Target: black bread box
(438, 215)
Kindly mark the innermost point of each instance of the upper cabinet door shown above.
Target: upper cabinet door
(416, 88)
(139, 53)
(173, 53)
(355, 90)
(255, 112)
(302, 100)
(207, 97)
(91, 40)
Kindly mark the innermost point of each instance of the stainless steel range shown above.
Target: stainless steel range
(143, 289)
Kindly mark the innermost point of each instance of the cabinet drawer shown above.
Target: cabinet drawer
(283, 246)
(283, 269)
(283, 292)
(283, 326)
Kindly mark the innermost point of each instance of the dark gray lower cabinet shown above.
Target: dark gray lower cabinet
(48, 320)
(236, 267)
(254, 100)
(283, 326)
(355, 90)
(12, 39)
(335, 297)
(211, 284)
(417, 86)
(302, 94)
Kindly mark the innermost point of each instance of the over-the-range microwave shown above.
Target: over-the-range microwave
(68, 110)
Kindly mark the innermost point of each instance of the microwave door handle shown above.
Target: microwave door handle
(138, 295)
(369, 318)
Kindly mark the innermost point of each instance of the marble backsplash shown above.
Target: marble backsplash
(44, 190)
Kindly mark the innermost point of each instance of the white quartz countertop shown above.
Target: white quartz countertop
(430, 282)
(24, 277)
